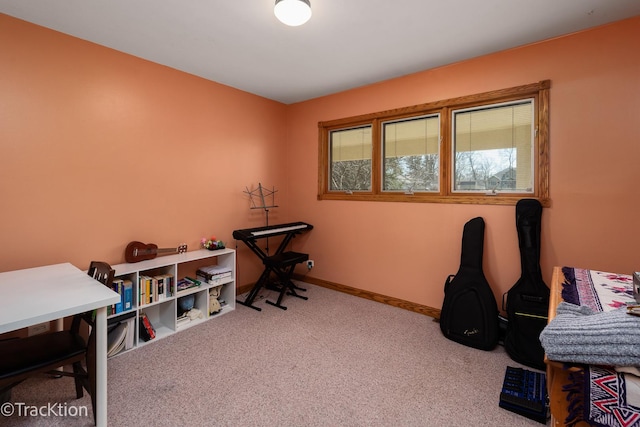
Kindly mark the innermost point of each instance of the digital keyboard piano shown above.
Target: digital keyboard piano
(281, 263)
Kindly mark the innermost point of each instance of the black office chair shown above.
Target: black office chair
(27, 357)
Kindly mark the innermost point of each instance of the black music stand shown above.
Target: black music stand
(258, 199)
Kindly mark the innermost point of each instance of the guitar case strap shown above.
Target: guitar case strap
(469, 313)
(527, 304)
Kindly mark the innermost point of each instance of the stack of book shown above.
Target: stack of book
(214, 274)
(146, 330)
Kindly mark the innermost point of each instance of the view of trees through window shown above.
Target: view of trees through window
(486, 170)
(493, 147)
(412, 154)
(351, 159)
(412, 173)
(351, 175)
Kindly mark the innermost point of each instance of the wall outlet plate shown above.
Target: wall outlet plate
(310, 264)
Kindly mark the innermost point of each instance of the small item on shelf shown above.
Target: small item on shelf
(194, 314)
(186, 303)
(138, 251)
(186, 283)
(214, 304)
(183, 320)
(212, 243)
(187, 316)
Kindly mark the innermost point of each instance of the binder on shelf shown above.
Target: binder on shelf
(116, 285)
(127, 295)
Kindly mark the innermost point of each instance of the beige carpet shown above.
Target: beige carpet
(334, 360)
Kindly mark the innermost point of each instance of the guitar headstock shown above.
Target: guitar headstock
(182, 248)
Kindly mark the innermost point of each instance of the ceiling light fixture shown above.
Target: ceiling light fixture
(293, 12)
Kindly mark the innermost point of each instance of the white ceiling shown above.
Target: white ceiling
(346, 44)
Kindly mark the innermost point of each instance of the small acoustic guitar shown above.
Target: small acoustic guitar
(138, 251)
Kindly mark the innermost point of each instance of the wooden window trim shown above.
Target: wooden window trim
(539, 91)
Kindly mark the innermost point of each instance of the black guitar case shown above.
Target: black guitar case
(469, 313)
(528, 300)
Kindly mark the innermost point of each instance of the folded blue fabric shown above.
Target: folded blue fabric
(579, 335)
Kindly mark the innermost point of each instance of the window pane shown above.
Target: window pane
(493, 148)
(350, 151)
(411, 154)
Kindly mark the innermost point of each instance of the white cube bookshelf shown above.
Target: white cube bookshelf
(163, 313)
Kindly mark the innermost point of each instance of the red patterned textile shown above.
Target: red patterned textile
(601, 395)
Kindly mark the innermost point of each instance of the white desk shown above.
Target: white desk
(42, 294)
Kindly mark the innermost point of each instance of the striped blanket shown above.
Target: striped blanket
(601, 395)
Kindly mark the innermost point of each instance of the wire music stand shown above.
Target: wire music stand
(259, 199)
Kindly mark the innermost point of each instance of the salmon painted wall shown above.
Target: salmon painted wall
(406, 250)
(99, 148)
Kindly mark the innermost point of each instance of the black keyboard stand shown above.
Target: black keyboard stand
(281, 264)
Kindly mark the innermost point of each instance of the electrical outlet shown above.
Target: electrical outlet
(310, 264)
(38, 329)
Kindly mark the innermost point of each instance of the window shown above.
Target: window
(489, 148)
(351, 152)
(493, 148)
(411, 154)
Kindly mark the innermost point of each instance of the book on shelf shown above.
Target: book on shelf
(182, 320)
(147, 331)
(120, 333)
(143, 290)
(171, 286)
(131, 333)
(116, 338)
(161, 294)
(164, 286)
(187, 283)
(116, 285)
(153, 290)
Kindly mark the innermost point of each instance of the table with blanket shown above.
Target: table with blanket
(592, 347)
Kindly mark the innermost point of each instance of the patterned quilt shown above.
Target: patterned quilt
(601, 395)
